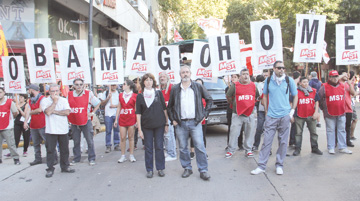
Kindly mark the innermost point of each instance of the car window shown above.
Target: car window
(219, 85)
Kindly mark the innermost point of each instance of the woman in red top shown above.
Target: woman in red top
(127, 120)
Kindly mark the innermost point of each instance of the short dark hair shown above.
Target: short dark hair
(260, 78)
(2, 88)
(342, 71)
(276, 62)
(202, 81)
(24, 95)
(237, 75)
(243, 70)
(352, 73)
(145, 77)
(78, 79)
(296, 75)
(303, 78)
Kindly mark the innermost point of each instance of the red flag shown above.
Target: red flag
(177, 36)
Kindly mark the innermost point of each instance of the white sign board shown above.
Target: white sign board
(40, 60)
(140, 53)
(74, 61)
(309, 38)
(266, 41)
(201, 62)
(167, 59)
(14, 76)
(109, 66)
(225, 54)
(347, 44)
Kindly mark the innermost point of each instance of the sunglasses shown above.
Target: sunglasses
(78, 85)
(333, 76)
(280, 68)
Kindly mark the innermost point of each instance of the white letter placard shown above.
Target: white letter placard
(309, 38)
(109, 66)
(225, 54)
(74, 61)
(14, 76)
(167, 59)
(201, 62)
(40, 60)
(347, 44)
(266, 41)
(140, 53)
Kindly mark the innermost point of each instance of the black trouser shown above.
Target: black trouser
(292, 134)
(204, 136)
(18, 130)
(348, 126)
(240, 139)
(51, 141)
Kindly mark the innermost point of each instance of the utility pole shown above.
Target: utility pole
(90, 43)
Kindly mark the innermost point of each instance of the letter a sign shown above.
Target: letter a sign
(40, 60)
(347, 44)
(309, 39)
(225, 54)
(109, 66)
(74, 61)
(266, 43)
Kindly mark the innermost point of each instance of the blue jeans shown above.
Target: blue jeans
(170, 142)
(109, 124)
(331, 124)
(259, 128)
(182, 132)
(88, 133)
(152, 135)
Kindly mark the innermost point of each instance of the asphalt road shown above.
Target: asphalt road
(306, 177)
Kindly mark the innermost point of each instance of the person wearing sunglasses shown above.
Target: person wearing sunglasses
(80, 101)
(332, 102)
(278, 113)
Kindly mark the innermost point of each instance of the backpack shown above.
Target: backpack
(287, 81)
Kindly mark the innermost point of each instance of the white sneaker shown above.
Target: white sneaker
(122, 159)
(169, 158)
(331, 151)
(345, 151)
(279, 171)
(257, 171)
(92, 163)
(132, 158)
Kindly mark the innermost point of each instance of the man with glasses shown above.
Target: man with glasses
(110, 99)
(278, 113)
(332, 102)
(56, 110)
(80, 101)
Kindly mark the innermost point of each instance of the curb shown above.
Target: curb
(21, 144)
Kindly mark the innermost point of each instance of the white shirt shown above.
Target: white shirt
(13, 109)
(109, 112)
(56, 124)
(187, 103)
(260, 87)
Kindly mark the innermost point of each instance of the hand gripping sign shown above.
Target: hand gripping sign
(167, 59)
(74, 61)
(109, 66)
(14, 76)
(201, 62)
(40, 60)
(140, 53)
(225, 54)
(266, 43)
(309, 38)
(347, 44)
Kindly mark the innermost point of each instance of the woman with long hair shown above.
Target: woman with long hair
(19, 130)
(152, 121)
(127, 119)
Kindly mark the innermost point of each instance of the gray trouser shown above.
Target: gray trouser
(236, 124)
(37, 135)
(311, 124)
(8, 135)
(282, 126)
(88, 133)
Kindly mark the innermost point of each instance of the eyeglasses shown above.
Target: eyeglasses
(78, 85)
(334, 76)
(280, 68)
(54, 90)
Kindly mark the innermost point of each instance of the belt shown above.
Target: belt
(187, 119)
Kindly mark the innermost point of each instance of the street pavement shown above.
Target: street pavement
(306, 177)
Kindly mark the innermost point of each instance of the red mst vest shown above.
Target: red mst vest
(127, 113)
(37, 120)
(78, 115)
(335, 99)
(167, 95)
(5, 114)
(245, 98)
(306, 104)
